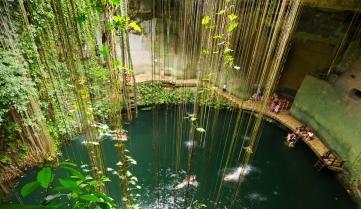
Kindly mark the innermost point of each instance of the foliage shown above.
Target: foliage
(153, 93)
(196, 205)
(222, 37)
(80, 190)
(16, 86)
(6, 160)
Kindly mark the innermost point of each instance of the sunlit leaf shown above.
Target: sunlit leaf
(44, 177)
(135, 26)
(232, 17)
(206, 20)
(115, 3)
(232, 26)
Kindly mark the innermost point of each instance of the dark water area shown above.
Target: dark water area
(278, 177)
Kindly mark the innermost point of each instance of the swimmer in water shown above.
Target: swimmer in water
(188, 181)
(234, 176)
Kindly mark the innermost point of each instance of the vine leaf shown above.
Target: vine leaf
(205, 20)
(232, 26)
(135, 26)
(29, 188)
(90, 198)
(44, 177)
(68, 184)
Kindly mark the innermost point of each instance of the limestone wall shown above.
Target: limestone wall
(335, 116)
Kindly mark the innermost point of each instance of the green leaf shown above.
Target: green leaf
(68, 164)
(206, 20)
(73, 171)
(232, 17)
(68, 184)
(29, 188)
(135, 26)
(110, 26)
(104, 51)
(44, 177)
(232, 26)
(89, 197)
(116, 3)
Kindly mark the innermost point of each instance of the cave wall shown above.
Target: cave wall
(315, 43)
(335, 116)
(351, 79)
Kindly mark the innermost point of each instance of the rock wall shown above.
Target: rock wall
(335, 116)
(316, 41)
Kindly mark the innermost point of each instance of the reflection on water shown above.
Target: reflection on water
(191, 144)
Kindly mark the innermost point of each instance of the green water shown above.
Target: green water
(279, 177)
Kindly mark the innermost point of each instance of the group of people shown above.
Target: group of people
(278, 104)
(303, 131)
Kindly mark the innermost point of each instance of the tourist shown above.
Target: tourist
(272, 106)
(309, 134)
(277, 108)
(224, 88)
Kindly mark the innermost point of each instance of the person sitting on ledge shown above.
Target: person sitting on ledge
(310, 134)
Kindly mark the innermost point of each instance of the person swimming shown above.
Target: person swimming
(191, 180)
(234, 176)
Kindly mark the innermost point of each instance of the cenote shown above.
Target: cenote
(140, 104)
(277, 177)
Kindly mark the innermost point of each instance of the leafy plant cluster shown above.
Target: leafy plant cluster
(156, 92)
(16, 89)
(16, 86)
(222, 38)
(74, 190)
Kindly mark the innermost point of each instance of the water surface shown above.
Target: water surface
(278, 177)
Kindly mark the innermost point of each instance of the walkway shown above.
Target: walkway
(284, 118)
(290, 122)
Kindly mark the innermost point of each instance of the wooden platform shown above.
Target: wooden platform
(316, 145)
